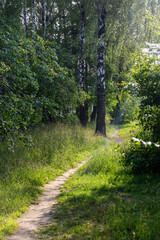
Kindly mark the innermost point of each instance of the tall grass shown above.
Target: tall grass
(105, 201)
(33, 160)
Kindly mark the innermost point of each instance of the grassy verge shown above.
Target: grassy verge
(104, 201)
(30, 162)
(128, 130)
(110, 129)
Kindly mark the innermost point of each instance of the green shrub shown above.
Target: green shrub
(141, 159)
(145, 76)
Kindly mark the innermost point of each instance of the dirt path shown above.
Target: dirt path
(42, 213)
(118, 139)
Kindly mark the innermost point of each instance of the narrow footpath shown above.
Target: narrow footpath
(42, 213)
(118, 139)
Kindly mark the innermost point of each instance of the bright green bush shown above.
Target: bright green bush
(146, 75)
(141, 159)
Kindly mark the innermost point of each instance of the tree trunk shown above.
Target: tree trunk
(84, 108)
(2, 4)
(25, 18)
(93, 114)
(82, 39)
(45, 19)
(119, 85)
(33, 19)
(101, 110)
(117, 112)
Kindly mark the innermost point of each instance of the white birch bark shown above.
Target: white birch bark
(24, 17)
(45, 18)
(33, 18)
(2, 4)
(82, 39)
(101, 111)
(83, 111)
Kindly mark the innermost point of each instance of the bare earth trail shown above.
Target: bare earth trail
(116, 138)
(42, 213)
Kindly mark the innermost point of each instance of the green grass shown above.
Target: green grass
(128, 130)
(110, 129)
(104, 201)
(31, 161)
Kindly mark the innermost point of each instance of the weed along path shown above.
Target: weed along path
(42, 213)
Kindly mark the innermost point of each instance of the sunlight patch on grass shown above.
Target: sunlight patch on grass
(110, 129)
(103, 201)
(126, 131)
(26, 166)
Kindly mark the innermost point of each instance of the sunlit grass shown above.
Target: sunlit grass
(104, 201)
(102, 207)
(110, 129)
(126, 131)
(30, 162)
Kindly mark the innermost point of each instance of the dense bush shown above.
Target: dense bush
(34, 87)
(146, 75)
(141, 159)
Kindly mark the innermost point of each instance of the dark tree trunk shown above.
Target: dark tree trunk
(82, 39)
(117, 112)
(33, 19)
(83, 109)
(25, 18)
(101, 110)
(93, 114)
(45, 19)
(50, 11)
(119, 85)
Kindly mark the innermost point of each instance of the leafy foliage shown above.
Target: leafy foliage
(33, 86)
(146, 74)
(141, 159)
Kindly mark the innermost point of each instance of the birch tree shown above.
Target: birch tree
(2, 4)
(83, 108)
(33, 19)
(45, 19)
(101, 110)
(25, 18)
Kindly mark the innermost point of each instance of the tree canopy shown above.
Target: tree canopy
(50, 71)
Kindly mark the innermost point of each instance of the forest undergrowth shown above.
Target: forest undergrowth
(32, 160)
(105, 200)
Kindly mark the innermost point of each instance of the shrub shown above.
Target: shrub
(145, 76)
(141, 159)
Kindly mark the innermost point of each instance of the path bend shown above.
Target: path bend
(42, 213)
